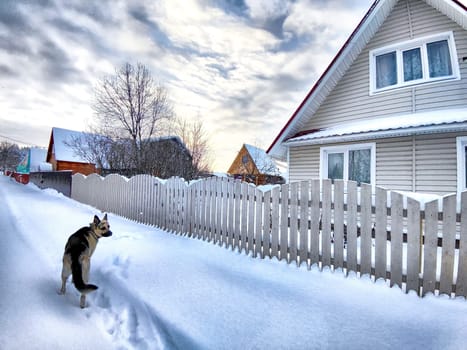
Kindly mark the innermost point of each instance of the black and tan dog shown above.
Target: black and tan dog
(77, 256)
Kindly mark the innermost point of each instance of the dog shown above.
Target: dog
(77, 257)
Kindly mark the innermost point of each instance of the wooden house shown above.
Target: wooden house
(62, 156)
(391, 108)
(252, 164)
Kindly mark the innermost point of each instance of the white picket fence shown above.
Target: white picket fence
(341, 226)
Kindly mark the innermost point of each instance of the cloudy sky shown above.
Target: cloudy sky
(242, 66)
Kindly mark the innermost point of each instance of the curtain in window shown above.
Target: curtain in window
(360, 166)
(412, 64)
(439, 59)
(386, 70)
(336, 166)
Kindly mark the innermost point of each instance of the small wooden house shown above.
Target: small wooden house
(62, 156)
(252, 164)
(391, 108)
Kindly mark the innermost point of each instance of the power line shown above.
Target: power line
(16, 140)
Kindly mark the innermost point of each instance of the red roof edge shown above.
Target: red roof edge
(313, 89)
(460, 4)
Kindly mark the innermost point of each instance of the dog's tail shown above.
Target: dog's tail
(77, 273)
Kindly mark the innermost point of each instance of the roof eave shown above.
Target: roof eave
(421, 130)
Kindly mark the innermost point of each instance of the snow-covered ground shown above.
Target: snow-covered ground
(162, 291)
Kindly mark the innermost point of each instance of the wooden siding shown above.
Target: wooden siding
(303, 163)
(422, 163)
(81, 168)
(237, 166)
(350, 99)
(394, 163)
(436, 164)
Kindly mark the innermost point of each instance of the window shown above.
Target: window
(417, 61)
(351, 162)
(461, 163)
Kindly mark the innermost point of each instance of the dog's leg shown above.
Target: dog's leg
(66, 272)
(86, 265)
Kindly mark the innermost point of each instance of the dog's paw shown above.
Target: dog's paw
(61, 292)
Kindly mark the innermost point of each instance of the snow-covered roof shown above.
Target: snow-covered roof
(61, 149)
(400, 125)
(357, 41)
(37, 159)
(263, 161)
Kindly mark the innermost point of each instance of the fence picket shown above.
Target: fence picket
(251, 218)
(225, 210)
(396, 238)
(315, 215)
(381, 234)
(237, 205)
(231, 214)
(267, 231)
(338, 223)
(430, 247)
(304, 217)
(326, 223)
(244, 216)
(352, 251)
(275, 222)
(284, 228)
(293, 222)
(258, 222)
(413, 245)
(461, 283)
(366, 229)
(219, 211)
(449, 243)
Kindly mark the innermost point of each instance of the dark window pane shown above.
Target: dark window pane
(386, 70)
(336, 166)
(412, 64)
(360, 166)
(439, 59)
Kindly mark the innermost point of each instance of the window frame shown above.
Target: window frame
(325, 150)
(461, 144)
(421, 43)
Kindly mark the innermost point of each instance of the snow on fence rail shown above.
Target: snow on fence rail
(340, 226)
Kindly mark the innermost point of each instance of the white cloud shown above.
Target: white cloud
(265, 9)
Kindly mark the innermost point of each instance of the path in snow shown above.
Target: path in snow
(29, 303)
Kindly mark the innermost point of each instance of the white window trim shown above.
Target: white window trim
(461, 143)
(412, 44)
(323, 159)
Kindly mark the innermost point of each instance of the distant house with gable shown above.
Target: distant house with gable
(252, 164)
(62, 156)
(391, 108)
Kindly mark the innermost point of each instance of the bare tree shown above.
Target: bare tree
(130, 105)
(195, 138)
(10, 155)
(93, 147)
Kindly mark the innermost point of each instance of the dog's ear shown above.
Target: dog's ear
(96, 220)
(105, 217)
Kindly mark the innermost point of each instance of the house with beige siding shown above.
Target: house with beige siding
(391, 108)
